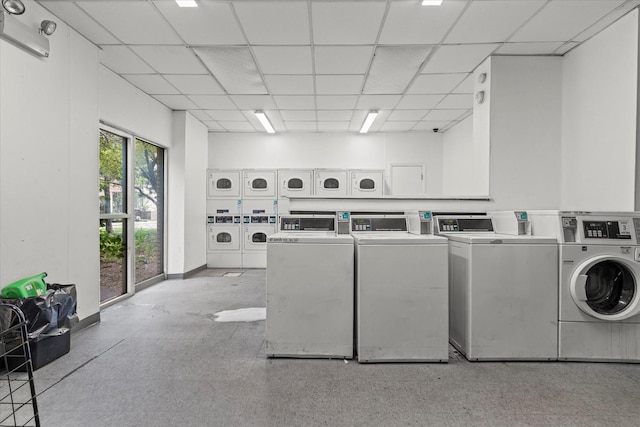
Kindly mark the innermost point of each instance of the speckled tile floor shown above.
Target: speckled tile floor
(159, 359)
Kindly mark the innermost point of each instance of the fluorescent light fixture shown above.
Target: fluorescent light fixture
(264, 121)
(368, 121)
(187, 3)
(431, 2)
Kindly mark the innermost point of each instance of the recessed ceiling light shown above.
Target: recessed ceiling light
(431, 2)
(264, 121)
(187, 3)
(368, 121)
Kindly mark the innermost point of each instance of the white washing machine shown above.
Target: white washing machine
(502, 299)
(259, 183)
(222, 183)
(401, 292)
(309, 289)
(224, 241)
(367, 183)
(599, 279)
(331, 182)
(257, 227)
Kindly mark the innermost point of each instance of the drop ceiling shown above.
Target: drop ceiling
(320, 66)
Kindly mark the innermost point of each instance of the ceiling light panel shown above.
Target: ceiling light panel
(562, 20)
(284, 59)
(233, 67)
(342, 59)
(81, 22)
(213, 102)
(176, 102)
(491, 21)
(337, 102)
(412, 23)
(209, 23)
(393, 68)
(289, 84)
(436, 83)
(346, 23)
(170, 59)
(377, 102)
(444, 115)
(132, 22)
(151, 84)
(454, 101)
(122, 60)
(419, 102)
(186, 3)
(193, 84)
(338, 85)
(253, 102)
(279, 23)
(458, 58)
(545, 48)
(289, 102)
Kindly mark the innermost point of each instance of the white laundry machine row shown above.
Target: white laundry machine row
(502, 301)
(354, 182)
(401, 292)
(310, 301)
(598, 283)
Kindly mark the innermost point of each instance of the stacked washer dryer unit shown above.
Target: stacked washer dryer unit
(401, 292)
(367, 183)
(259, 214)
(293, 183)
(331, 182)
(502, 301)
(599, 279)
(309, 289)
(224, 220)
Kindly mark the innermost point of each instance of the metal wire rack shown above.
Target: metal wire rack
(18, 406)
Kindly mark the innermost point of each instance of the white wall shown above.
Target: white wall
(599, 120)
(48, 162)
(459, 161)
(324, 150)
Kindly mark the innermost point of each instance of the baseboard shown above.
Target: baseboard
(86, 322)
(188, 274)
(150, 282)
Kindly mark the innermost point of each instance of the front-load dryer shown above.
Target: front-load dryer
(367, 183)
(331, 182)
(224, 246)
(259, 183)
(401, 292)
(502, 291)
(309, 289)
(599, 279)
(295, 182)
(257, 227)
(223, 183)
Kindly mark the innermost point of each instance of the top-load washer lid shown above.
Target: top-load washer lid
(316, 238)
(495, 238)
(399, 238)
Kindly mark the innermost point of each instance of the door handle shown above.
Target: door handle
(581, 287)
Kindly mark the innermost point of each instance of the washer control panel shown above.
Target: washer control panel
(617, 230)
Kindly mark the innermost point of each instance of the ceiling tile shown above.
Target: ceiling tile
(333, 126)
(393, 68)
(176, 102)
(397, 126)
(209, 23)
(123, 61)
(566, 47)
(81, 22)
(346, 22)
(437, 115)
(274, 22)
(335, 115)
(546, 48)
(492, 21)
(227, 115)
(215, 126)
(412, 23)
(284, 59)
(419, 102)
(290, 84)
(200, 115)
(301, 126)
(151, 84)
(213, 102)
(456, 101)
(337, 102)
(253, 102)
(342, 59)
(233, 67)
(406, 115)
(298, 115)
(458, 58)
(237, 126)
(375, 102)
(338, 85)
(194, 84)
(606, 21)
(431, 125)
(132, 22)
(436, 83)
(295, 102)
(466, 86)
(170, 59)
(562, 20)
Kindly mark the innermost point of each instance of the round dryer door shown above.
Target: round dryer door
(606, 288)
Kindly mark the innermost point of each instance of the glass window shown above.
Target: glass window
(610, 287)
(367, 184)
(331, 183)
